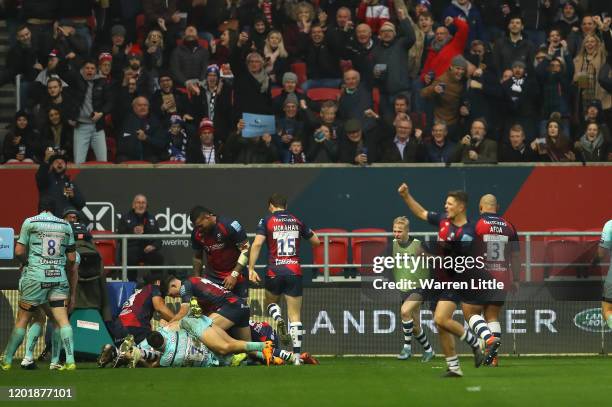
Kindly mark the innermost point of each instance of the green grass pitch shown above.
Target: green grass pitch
(526, 381)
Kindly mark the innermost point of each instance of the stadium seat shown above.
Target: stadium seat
(276, 92)
(299, 68)
(106, 247)
(376, 99)
(589, 246)
(19, 163)
(323, 94)
(338, 251)
(562, 249)
(97, 163)
(366, 248)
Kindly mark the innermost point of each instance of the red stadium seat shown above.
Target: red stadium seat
(338, 250)
(136, 162)
(366, 248)
(97, 163)
(19, 163)
(299, 68)
(376, 99)
(106, 247)
(323, 94)
(590, 245)
(562, 249)
(276, 92)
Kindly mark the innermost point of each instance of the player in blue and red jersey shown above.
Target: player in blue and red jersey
(455, 234)
(226, 245)
(282, 231)
(263, 332)
(497, 242)
(227, 311)
(135, 317)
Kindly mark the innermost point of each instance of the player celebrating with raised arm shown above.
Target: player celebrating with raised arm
(454, 231)
(410, 311)
(497, 242)
(226, 246)
(45, 249)
(281, 231)
(605, 245)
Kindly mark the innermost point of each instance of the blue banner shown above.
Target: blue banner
(258, 125)
(7, 243)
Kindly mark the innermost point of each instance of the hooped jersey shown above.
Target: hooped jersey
(283, 232)
(47, 239)
(138, 310)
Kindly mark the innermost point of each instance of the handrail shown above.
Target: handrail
(326, 266)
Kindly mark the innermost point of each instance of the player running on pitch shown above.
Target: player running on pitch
(411, 299)
(605, 245)
(455, 232)
(45, 249)
(226, 245)
(282, 231)
(497, 241)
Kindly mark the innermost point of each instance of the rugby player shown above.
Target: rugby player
(226, 246)
(497, 242)
(455, 231)
(263, 332)
(45, 249)
(135, 317)
(226, 309)
(410, 310)
(605, 245)
(281, 231)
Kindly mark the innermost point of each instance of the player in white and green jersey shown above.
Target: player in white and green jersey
(45, 249)
(411, 298)
(605, 245)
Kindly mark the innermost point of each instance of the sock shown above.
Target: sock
(254, 346)
(453, 363)
(609, 321)
(13, 343)
(68, 343)
(295, 329)
(495, 328)
(470, 339)
(407, 327)
(56, 345)
(274, 311)
(283, 354)
(422, 338)
(480, 327)
(31, 339)
(149, 355)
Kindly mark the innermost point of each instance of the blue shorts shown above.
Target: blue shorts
(290, 285)
(34, 292)
(238, 312)
(118, 331)
(240, 289)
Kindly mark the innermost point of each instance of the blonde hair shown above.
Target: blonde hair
(303, 6)
(401, 220)
(147, 41)
(282, 52)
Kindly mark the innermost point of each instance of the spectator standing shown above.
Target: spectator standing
(53, 182)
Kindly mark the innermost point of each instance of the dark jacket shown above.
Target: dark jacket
(188, 63)
(436, 154)
(507, 154)
(130, 220)
(76, 8)
(348, 150)
(322, 61)
(222, 120)
(180, 99)
(154, 9)
(323, 152)
(414, 152)
(248, 96)
(487, 153)
(395, 56)
(195, 155)
(352, 106)
(43, 9)
(52, 184)
(473, 17)
(22, 63)
(506, 52)
(130, 148)
(242, 150)
(101, 95)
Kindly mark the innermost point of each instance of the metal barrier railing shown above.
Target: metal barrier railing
(326, 240)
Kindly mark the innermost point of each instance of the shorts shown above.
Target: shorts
(607, 291)
(445, 295)
(240, 289)
(196, 326)
(290, 285)
(237, 312)
(35, 292)
(118, 331)
(417, 291)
